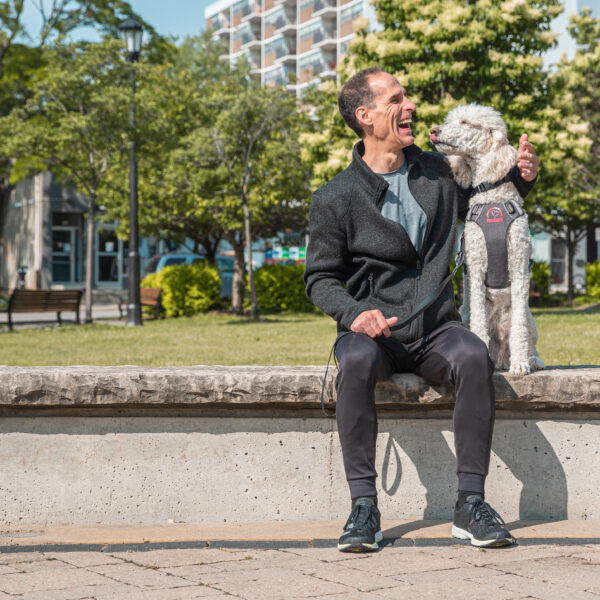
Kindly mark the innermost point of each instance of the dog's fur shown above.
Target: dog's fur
(474, 138)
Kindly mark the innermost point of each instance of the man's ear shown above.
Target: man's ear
(363, 116)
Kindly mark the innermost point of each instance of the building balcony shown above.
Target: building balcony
(325, 39)
(253, 16)
(289, 60)
(289, 3)
(323, 8)
(250, 8)
(251, 44)
(283, 25)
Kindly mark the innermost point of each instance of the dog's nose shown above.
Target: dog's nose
(434, 130)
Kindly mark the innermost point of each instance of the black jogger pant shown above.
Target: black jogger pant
(451, 354)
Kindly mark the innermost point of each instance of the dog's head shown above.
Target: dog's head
(471, 131)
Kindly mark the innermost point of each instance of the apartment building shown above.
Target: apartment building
(287, 42)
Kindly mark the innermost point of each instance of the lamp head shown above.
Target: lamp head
(131, 32)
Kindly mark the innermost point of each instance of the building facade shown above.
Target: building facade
(287, 42)
(43, 234)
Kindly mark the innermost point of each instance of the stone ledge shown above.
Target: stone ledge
(567, 388)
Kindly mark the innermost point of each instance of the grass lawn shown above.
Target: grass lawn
(567, 337)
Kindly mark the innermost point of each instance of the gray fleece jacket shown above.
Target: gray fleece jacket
(359, 260)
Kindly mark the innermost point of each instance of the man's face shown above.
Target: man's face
(391, 116)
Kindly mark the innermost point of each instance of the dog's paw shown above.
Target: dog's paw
(536, 363)
(519, 368)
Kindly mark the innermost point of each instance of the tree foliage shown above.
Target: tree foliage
(213, 142)
(566, 201)
(445, 53)
(74, 123)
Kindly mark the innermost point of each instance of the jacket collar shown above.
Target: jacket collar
(373, 183)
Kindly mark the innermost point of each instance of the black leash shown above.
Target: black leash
(459, 261)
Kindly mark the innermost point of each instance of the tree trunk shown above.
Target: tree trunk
(89, 262)
(209, 248)
(253, 298)
(237, 291)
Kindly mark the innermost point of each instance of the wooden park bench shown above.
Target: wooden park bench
(33, 301)
(149, 296)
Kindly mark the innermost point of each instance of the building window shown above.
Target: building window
(275, 17)
(351, 13)
(243, 34)
(313, 61)
(276, 76)
(278, 46)
(310, 30)
(241, 8)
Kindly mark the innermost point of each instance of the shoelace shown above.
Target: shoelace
(482, 511)
(359, 517)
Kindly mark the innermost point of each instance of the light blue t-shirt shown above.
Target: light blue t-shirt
(400, 206)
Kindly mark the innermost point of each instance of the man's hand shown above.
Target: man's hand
(528, 160)
(373, 323)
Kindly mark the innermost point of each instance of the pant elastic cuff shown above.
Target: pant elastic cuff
(471, 482)
(362, 487)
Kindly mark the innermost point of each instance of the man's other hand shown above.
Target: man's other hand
(528, 159)
(373, 323)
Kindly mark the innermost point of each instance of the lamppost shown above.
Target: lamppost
(131, 32)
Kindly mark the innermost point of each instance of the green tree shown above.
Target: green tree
(22, 50)
(170, 105)
(566, 202)
(219, 157)
(246, 165)
(74, 123)
(448, 52)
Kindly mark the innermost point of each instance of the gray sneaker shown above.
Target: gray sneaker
(362, 532)
(477, 521)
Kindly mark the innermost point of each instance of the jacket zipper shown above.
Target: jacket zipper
(414, 326)
(371, 284)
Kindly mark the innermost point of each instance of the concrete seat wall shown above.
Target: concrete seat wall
(141, 445)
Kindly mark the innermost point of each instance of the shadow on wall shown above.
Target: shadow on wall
(519, 444)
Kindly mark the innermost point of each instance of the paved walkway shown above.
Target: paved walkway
(103, 313)
(279, 561)
(542, 572)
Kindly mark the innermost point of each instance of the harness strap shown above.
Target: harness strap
(459, 260)
(486, 186)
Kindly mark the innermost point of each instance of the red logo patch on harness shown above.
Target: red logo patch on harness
(494, 215)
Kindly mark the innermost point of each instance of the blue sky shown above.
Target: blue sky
(177, 17)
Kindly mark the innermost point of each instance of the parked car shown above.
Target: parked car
(224, 265)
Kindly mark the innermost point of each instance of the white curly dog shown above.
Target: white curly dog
(474, 138)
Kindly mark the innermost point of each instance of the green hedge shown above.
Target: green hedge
(540, 273)
(592, 279)
(186, 289)
(281, 288)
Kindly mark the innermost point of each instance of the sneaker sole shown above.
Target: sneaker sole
(461, 534)
(363, 547)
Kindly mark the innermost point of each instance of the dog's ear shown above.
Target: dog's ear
(460, 169)
(500, 159)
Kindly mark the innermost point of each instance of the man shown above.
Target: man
(382, 236)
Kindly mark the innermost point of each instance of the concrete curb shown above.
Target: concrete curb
(269, 535)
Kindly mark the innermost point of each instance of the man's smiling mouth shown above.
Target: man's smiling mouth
(405, 123)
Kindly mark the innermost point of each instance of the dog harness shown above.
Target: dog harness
(494, 219)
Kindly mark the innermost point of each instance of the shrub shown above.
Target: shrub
(186, 289)
(281, 288)
(584, 300)
(540, 273)
(592, 279)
